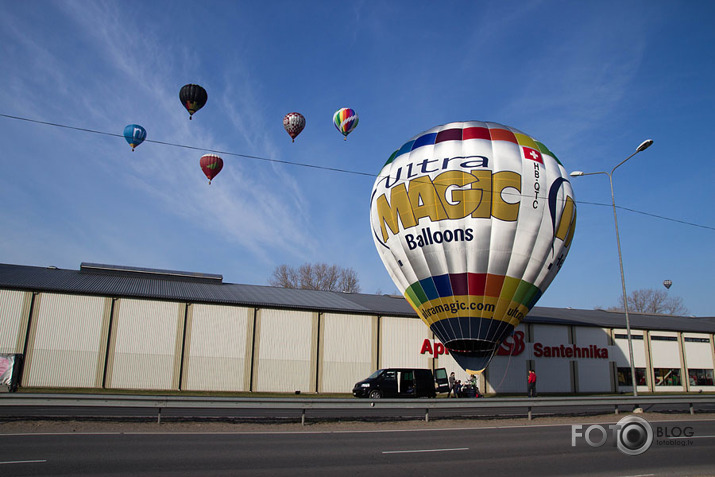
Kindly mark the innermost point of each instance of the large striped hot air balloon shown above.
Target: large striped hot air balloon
(345, 121)
(472, 220)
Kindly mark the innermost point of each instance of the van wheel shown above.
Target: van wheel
(375, 394)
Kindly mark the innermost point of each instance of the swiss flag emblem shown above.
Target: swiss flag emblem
(532, 154)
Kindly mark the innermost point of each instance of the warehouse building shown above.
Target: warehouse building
(108, 327)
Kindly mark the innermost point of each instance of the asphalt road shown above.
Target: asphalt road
(373, 450)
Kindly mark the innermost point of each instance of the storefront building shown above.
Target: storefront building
(103, 327)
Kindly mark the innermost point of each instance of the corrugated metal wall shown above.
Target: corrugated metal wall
(65, 342)
(144, 340)
(346, 343)
(284, 347)
(95, 342)
(215, 351)
(552, 374)
(507, 374)
(593, 373)
(399, 341)
(12, 325)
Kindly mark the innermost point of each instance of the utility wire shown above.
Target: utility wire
(300, 164)
(227, 153)
(579, 202)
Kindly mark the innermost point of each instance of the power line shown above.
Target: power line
(580, 202)
(300, 164)
(184, 146)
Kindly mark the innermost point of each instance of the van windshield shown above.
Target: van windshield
(375, 374)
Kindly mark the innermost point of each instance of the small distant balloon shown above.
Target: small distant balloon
(345, 120)
(293, 124)
(667, 284)
(134, 134)
(193, 97)
(211, 164)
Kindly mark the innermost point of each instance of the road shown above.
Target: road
(500, 448)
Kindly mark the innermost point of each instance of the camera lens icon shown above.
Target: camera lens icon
(634, 436)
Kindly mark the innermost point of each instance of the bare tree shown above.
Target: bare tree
(652, 301)
(316, 276)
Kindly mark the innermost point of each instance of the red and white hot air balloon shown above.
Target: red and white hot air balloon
(293, 124)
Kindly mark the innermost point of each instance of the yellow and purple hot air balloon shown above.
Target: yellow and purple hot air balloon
(472, 220)
(345, 120)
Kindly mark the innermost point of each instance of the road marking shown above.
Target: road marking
(38, 461)
(425, 450)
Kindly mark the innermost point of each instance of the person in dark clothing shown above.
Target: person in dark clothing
(531, 383)
(452, 386)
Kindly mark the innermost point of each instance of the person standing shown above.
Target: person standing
(531, 383)
(452, 383)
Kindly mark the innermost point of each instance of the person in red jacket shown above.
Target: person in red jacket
(531, 383)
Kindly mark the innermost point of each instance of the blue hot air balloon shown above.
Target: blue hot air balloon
(134, 134)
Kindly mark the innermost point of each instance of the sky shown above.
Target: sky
(591, 80)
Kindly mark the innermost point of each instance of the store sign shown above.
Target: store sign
(514, 345)
(435, 348)
(569, 351)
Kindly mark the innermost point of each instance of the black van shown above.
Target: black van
(401, 383)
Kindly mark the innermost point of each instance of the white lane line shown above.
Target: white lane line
(425, 450)
(38, 461)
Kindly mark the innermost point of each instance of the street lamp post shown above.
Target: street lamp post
(643, 146)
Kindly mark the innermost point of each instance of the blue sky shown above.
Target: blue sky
(591, 80)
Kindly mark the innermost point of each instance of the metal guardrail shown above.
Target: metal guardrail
(359, 407)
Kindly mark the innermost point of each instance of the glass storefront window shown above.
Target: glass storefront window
(700, 377)
(624, 377)
(667, 376)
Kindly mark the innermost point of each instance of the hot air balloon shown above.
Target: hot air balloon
(667, 284)
(134, 134)
(193, 97)
(472, 221)
(345, 121)
(293, 124)
(211, 164)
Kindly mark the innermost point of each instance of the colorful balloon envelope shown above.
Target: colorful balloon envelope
(134, 134)
(345, 120)
(193, 97)
(472, 221)
(211, 164)
(293, 124)
(667, 284)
